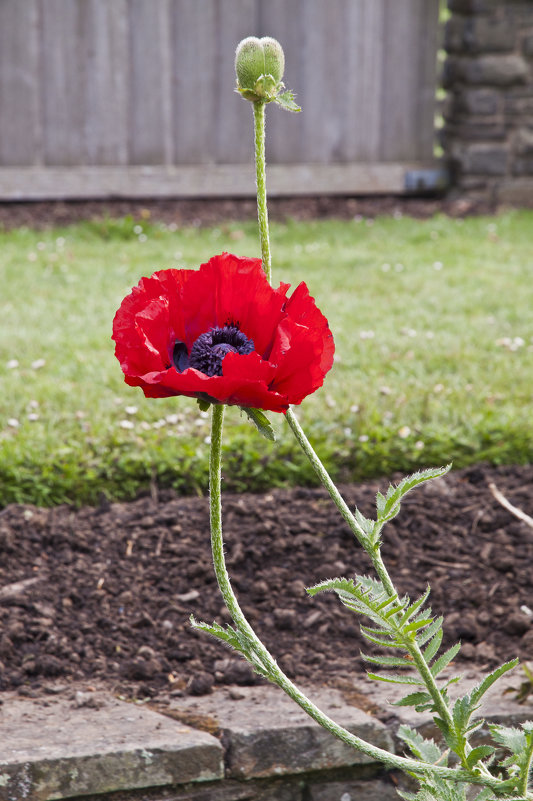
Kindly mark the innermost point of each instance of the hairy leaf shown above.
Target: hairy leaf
(391, 678)
(433, 646)
(388, 506)
(478, 753)
(431, 630)
(414, 607)
(479, 691)
(426, 750)
(261, 422)
(388, 661)
(444, 660)
(414, 699)
(286, 100)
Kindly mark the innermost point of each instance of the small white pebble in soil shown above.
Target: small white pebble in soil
(126, 424)
(13, 422)
(12, 364)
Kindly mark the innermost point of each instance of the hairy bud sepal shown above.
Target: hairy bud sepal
(259, 65)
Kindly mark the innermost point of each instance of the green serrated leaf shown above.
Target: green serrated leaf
(228, 634)
(485, 795)
(414, 608)
(380, 503)
(388, 661)
(390, 600)
(478, 753)
(461, 713)
(371, 637)
(450, 737)
(389, 506)
(479, 691)
(433, 646)
(332, 585)
(366, 524)
(417, 624)
(431, 630)
(413, 699)
(426, 750)
(261, 422)
(512, 738)
(444, 660)
(286, 101)
(391, 678)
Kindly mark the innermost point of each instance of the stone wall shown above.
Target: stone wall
(488, 131)
(236, 744)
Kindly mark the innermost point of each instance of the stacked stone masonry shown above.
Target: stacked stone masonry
(488, 75)
(235, 744)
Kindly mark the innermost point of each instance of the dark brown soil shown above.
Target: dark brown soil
(105, 594)
(203, 212)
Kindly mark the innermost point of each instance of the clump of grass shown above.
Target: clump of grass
(433, 322)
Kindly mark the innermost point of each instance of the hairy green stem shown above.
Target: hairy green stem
(339, 501)
(266, 659)
(260, 179)
(524, 779)
(374, 554)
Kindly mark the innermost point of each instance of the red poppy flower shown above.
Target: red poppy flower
(223, 334)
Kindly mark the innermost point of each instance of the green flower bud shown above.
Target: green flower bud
(259, 64)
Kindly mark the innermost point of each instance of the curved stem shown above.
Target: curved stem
(260, 179)
(375, 556)
(268, 662)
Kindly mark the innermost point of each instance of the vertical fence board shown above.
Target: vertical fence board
(282, 19)
(233, 138)
(19, 97)
(362, 79)
(400, 81)
(61, 82)
(94, 83)
(149, 83)
(428, 37)
(105, 36)
(322, 92)
(194, 68)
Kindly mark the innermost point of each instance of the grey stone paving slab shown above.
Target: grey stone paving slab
(266, 734)
(373, 790)
(59, 750)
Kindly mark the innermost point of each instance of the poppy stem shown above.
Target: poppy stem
(260, 180)
(259, 656)
(374, 554)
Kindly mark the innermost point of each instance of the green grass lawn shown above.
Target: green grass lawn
(433, 322)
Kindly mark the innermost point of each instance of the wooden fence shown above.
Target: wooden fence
(135, 97)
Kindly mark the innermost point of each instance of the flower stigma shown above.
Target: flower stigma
(209, 350)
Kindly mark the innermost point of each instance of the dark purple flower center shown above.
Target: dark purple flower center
(209, 350)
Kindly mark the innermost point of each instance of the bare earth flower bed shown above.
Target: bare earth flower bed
(105, 594)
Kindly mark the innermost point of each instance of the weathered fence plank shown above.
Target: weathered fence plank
(20, 128)
(150, 139)
(125, 83)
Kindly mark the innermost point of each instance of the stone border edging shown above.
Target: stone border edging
(258, 744)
